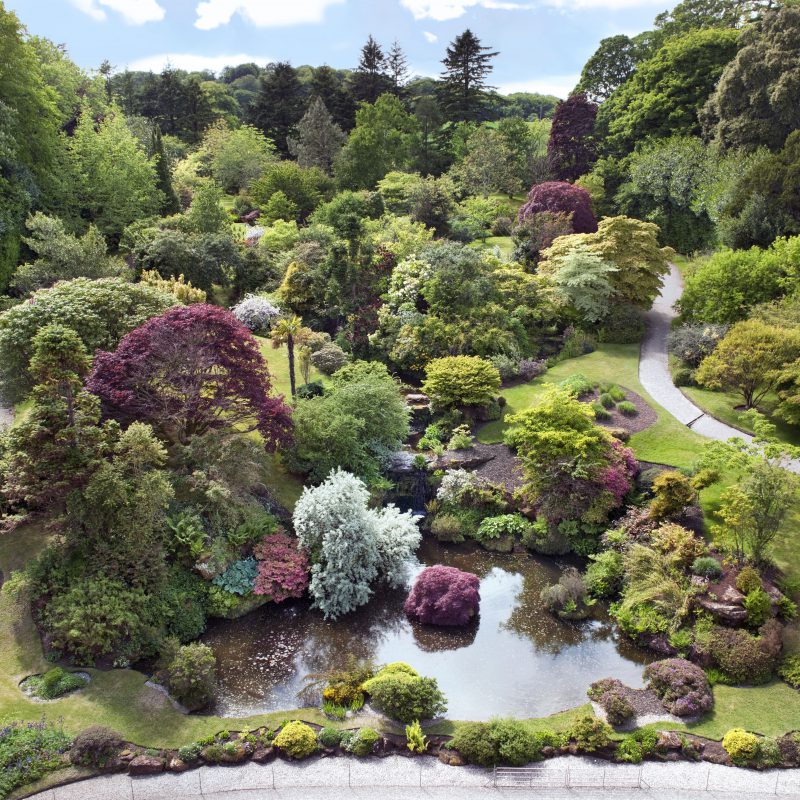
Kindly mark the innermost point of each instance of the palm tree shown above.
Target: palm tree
(290, 331)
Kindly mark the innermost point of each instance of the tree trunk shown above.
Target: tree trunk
(290, 349)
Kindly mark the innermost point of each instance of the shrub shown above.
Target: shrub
(530, 368)
(693, 342)
(789, 670)
(455, 485)
(447, 528)
(329, 737)
(748, 580)
(590, 734)
(297, 740)
(577, 385)
(604, 574)
(683, 377)
(503, 525)
(502, 226)
(444, 596)
(305, 391)
(673, 492)
(416, 740)
(682, 686)
(404, 695)
(506, 366)
(758, 607)
(627, 409)
(256, 313)
(189, 753)
(461, 438)
(192, 675)
(28, 751)
(95, 746)
(455, 381)
(678, 543)
(624, 325)
(500, 741)
(769, 754)
(56, 682)
(283, 569)
(568, 596)
(239, 578)
(635, 748)
(742, 657)
(560, 197)
(617, 707)
(740, 745)
(363, 743)
(707, 567)
(606, 400)
(329, 358)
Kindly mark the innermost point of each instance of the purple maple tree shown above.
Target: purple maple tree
(570, 148)
(559, 197)
(444, 596)
(191, 370)
(282, 567)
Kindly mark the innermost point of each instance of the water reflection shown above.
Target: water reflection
(516, 658)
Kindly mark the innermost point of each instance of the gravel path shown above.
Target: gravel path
(399, 778)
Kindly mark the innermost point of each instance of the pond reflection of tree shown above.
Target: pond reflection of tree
(443, 638)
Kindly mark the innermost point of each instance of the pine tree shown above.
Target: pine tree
(319, 138)
(467, 64)
(279, 104)
(397, 69)
(332, 89)
(171, 204)
(369, 79)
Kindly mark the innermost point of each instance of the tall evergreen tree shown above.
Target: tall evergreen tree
(332, 89)
(171, 204)
(466, 64)
(370, 79)
(319, 138)
(279, 105)
(397, 69)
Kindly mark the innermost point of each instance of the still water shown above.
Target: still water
(516, 659)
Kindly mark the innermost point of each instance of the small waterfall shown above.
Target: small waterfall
(420, 494)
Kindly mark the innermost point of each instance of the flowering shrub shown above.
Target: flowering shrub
(444, 596)
(28, 751)
(693, 342)
(282, 568)
(455, 483)
(609, 693)
(256, 313)
(681, 685)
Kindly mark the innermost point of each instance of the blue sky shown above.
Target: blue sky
(542, 43)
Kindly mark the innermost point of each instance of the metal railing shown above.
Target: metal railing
(569, 778)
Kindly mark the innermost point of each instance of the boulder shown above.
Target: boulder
(504, 544)
(732, 596)
(451, 757)
(669, 740)
(728, 613)
(177, 765)
(470, 458)
(264, 754)
(146, 765)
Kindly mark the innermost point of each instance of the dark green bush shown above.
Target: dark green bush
(636, 747)
(55, 683)
(707, 567)
(329, 737)
(743, 657)
(606, 400)
(501, 741)
(624, 325)
(192, 675)
(600, 411)
(683, 376)
(404, 695)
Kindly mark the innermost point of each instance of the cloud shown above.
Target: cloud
(558, 85)
(431, 38)
(261, 13)
(192, 62)
(134, 12)
(611, 5)
(441, 10)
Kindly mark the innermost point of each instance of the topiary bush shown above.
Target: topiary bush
(403, 694)
(297, 740)
(95, 746)
(682, 686)
(707, 567)
(740, 745)
(444, 596)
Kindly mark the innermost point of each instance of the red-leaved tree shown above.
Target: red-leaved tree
(444, 596)
(570, 148)
(559, 197)
(188, 371)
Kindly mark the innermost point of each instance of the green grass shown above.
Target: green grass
(278, 361)
(556, 722)
(664, 442)
(505, 243)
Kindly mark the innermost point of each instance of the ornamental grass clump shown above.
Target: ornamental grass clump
(682, 686)
(444, 596)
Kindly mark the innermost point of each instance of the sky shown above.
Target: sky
(543, 43)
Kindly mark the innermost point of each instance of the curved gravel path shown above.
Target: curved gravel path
(654, 367)
(401, 778)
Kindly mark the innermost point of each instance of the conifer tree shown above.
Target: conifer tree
(171, 204)
(279, 104)
(369, 79)
(467, 64)
(397, 69)
(319, 139)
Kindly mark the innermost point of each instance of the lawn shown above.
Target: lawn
(504, 243)
(278, 361)
(665, 442)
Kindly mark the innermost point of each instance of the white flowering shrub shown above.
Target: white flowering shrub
(351, 545)
(256, 313)
(406, 282)
(454, 483)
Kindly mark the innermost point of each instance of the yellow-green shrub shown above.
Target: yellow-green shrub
(740, 745)
(297, 740)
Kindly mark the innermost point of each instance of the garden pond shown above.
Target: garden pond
(515, 659)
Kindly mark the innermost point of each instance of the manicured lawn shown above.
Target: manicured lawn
(556, 722)
(278, 361)
(665, 442)
(505, 243)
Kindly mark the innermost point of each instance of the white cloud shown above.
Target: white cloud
(431, 38)
(452, 9)
(558, 85)
(192, 62)
(611, 5)
(261, 13)
(134, 12)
